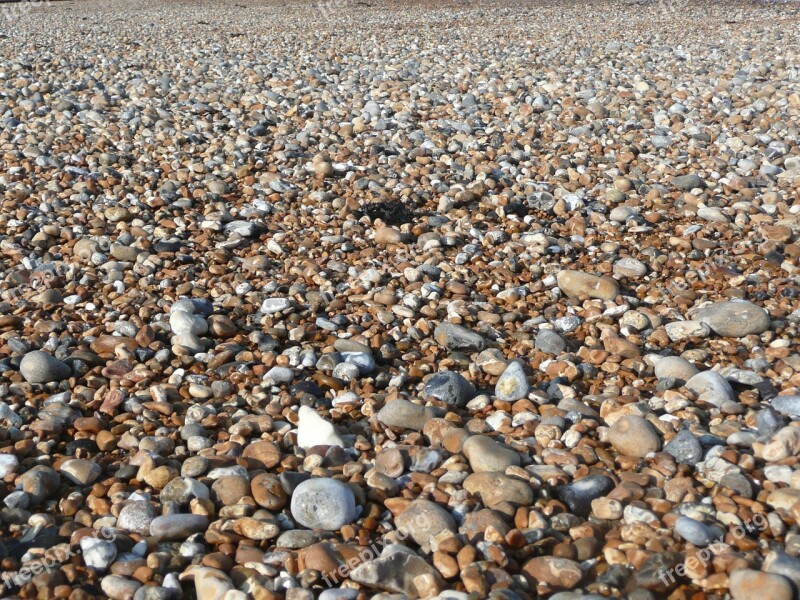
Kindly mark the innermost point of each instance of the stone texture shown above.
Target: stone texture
(313, 430)
(323, 503)
(512, 385)
(457, 338)
(177, 526)
(576, 283)
(558, 573)
(449, 387)
(404, 415)
(422, 520)
(485, 454)
(395, 571)
(734, 319)
(494, 488)
(634, 436)
(748, 584)
(41, 367)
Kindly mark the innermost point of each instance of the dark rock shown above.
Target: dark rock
(449, 387)
(457, 338)
(166, 246)
(290, 480)
(615, 576)
(657, 574)
(685, 447)
(578, 495)
(391, 213)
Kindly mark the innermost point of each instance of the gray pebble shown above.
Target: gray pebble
(136, 517)
(449, 387)
(549, 341)
(41, 367)
(787, 405)
(696, 532)
(323, 503)
(177, 527)
(457, 338)
(734, 318)
(685, 447)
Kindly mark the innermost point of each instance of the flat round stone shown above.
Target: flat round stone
(323, 503)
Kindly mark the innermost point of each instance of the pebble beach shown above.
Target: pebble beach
(361, 299)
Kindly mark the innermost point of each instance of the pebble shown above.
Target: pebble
(422, 520)
(404, 415)
(212, 584)
(98, 553)
(8, 465)
(182, 322)
(313, 430)
(696, 532)
(192, 344)
(457, 338)
(39, 483)
(633, 436)
(495, 488)
(679, 331)
(559, 573)
(323, 503)
(339, 594)
(271, 306)
(80, 471)
(687, 182)
(18, 499)
(768, 422)
(780, 563)
(182, 490)
(711, 387)
(279, 375)
(630, 267)
(785, 405)
(513, 384)
(449, 387)
(397, 570)
(685, 447)
(177, 526)
(119, 588)
(676, 368)
(485, 454)
(749, 584)
(734, 319)
(576, 283)
(362, 360)
(41, 367)
(607, 508)
(136, 517)
(580, 495)
(550, 342)
(737, 483)
(621, 213)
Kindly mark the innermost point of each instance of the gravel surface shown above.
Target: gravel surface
(360, 299)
